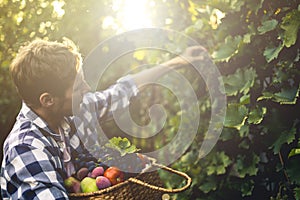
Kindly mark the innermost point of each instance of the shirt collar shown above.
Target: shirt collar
(28, 113)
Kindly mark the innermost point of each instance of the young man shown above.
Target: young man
(40, 150)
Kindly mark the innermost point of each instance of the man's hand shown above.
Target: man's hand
(191, 55)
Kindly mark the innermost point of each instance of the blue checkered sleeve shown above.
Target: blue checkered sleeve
(100, 106)
(104, 103)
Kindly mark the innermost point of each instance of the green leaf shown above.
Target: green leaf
(227, 50)
(272, 52)
(247, 38)
(267, 26)
(244, 145)
(227, 134)
(290, 24)
(239, 82)
(256, 115)
(131, 149)
(123, 145)
(294, 152)
(244, 131)
(210, 170)
(285, 96)
(219, 163)
(292, 169)
(285, 137)
(251, 32)
(236, 116)
(246, 165)
(247, 188)
(297, 193)
(209, 185)
(265, 95)
(245, 99)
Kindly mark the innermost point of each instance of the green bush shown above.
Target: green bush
(256, 47)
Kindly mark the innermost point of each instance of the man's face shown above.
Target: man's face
(73, 96)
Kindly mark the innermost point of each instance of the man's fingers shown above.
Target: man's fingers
(195, 50)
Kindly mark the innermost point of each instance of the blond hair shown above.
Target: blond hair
(43, 66)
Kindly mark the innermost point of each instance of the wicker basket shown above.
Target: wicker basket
(146, 185)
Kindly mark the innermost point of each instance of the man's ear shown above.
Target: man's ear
(46, 99)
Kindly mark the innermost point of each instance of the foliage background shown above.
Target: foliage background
(254, 43)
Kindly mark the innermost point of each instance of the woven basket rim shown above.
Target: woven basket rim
(102, 191)
(109, 189)
(137, 181)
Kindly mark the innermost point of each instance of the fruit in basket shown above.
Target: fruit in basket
(88, 184)
(114, 175)
(72, 185)
(82, 173)
(98, 171)
(102, 182)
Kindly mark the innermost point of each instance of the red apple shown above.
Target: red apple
(114, 175)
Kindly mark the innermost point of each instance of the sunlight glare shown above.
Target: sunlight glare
(132, 14)
(57, 8)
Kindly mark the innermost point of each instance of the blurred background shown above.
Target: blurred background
(255, 45)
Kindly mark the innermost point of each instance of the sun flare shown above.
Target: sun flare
(130, 14)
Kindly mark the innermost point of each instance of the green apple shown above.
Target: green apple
(88, 184)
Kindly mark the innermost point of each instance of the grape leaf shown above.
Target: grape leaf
(290, 24)
(256, 115)
(246, 165)
(219, 163)
(245, 99)
(247, 38)
(244, 131)
(267, 26)
(294, 152)
(272, 52)
(292, 169)
(235, 116)
(227, 50)
(285, 96)
(208, 185)
(285, 137)
(123, 145)
(247, 188)
(241, 81)
(297, 193)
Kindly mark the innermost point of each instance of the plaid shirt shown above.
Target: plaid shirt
(33, 161)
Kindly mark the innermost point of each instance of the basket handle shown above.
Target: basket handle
(184, 175)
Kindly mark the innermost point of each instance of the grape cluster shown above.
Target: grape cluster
(85, 160)
(132, 163)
